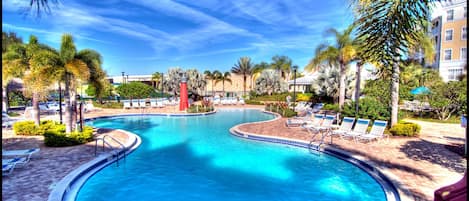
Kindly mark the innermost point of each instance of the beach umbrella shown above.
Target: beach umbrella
(420, 90)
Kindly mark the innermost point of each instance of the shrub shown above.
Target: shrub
(280, 108)
(303, 97)
(199, 109)
(369, 108)
(405, 129)
(56, 136)
(332, 107)
(110, 105)
(253, 102)
(25, 128)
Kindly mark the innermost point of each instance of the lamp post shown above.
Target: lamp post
(123, 81)
(294, 83)
(162, 84)
(127, 80)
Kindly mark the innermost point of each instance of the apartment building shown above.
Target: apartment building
(449, 31)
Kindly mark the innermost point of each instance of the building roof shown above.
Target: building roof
(306, 80)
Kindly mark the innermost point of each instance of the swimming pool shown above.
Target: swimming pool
(196, 158)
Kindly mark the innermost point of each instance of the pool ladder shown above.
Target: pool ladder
(115, 151)
(312, 146)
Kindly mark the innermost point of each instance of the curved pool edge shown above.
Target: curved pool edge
(67, 188)
(388, 181)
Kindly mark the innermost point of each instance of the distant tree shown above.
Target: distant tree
(447, 98)
(270, 82)
(327, 83)
(196, 81)
(225, 77)
(244, 68)
(9, 39)
(156, 78)
(212, 76)
(257, 70)
(134, 90)
(282, 64)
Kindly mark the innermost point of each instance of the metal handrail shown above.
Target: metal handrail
(107, 143)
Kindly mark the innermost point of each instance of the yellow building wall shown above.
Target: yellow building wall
(456, 44)
(236, 85)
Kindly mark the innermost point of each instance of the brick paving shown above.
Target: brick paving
(422, 164)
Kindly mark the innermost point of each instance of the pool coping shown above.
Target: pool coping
(388, 181)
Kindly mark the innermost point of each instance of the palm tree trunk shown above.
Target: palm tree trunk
(68, 108)
(342, 86)
(357, 86)
(244, 85)
(213, 92)
(73, 101)
(60, 103)
(223, 86)
(35, 111)
(394, 92)
(5, 99)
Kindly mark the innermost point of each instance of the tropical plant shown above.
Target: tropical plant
(446, 99)
(270, 82)
(97, 79)
(156, 78)
(75, 69)
(195, 82)
(243, 67)
(283, 65)
(9, 39)
(340, 54)
(212, 76)
(390, 28)
(225, 77)
(13, 63)
(257, 70)
(327, 83)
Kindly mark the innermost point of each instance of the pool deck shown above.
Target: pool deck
(422, 164)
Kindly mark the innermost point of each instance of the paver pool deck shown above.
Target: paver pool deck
(421, 164)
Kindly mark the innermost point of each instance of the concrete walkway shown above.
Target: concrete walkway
(422, 164)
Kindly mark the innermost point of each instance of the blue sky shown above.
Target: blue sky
(145, 36)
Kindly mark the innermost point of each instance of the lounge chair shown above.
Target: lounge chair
(315, 121)
(241, 101)
(360, 129)
(135, 104)
(376, 132)
(325, 125)
(153, 103)
(346, 126)
(7, 168)
(126, 104)
(16, 161)
(20, 152)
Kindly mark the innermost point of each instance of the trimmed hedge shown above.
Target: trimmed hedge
(109, 105)
(280, 108)
(405, 129)
(253, 102)
(29, 128)
(56, 137)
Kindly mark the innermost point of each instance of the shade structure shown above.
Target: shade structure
(420, 90)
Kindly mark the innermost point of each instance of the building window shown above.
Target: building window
(464, 33)
(449, 34)
(453, 74)
(463, 53)
(448, 54)
(450, 15)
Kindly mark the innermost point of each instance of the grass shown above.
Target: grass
(13, 114)
(452, 120)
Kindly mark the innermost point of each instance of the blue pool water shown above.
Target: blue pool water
(196, 158)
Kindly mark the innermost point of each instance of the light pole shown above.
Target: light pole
(123, 81)
(294, 83)
(162, 85)
(127, 80)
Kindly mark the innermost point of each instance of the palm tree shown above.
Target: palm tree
(282, 64)
(11, 63)
(212, 76)
(74, 69)
(388, 42)
(225, 77)
(37, 64)
(244, 68)
(156, 78)
(340, 54)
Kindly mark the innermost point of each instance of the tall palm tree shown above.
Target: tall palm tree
(389, 28)
(341, 54)
(244, 68)
(74, 69)
(225, 77)
(212, 75)
(12, 64)
(282, 64)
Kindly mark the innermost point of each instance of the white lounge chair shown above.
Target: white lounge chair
(7, 168)
(153, 103)
(325, 124)
(360, 129)
(135, 104)
(346, 126)
(17, 161)
(376, 132)
(315, 121)
(142, 103)
(126, 104)
(20, 152)
(241, 101)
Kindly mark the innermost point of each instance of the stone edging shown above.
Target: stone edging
(392, 187)
(67, 188)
